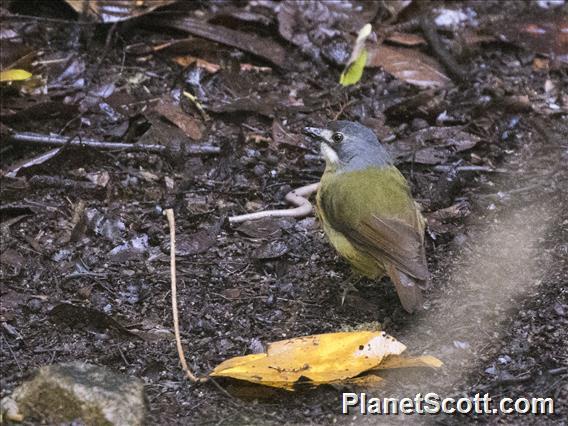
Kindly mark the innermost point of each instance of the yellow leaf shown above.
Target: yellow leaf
(318, 359)
(367, 381)
(396, 361)
(356, 64)
(14, 75)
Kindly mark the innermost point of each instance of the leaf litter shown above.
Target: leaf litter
(286, 294)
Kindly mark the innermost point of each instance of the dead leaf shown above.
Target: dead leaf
(196, 243)
(406, 39)
(270, 250)
(39, 159)
(83, 317)
(398, 361)
(282, 137)
(314, 360)
(252, 43)
(135, 249)
(409, 65)
(268, 228)
(433, 145)
(108, 11)
(173, 113)
(187, 60)
(99, 178)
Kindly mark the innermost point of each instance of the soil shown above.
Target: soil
(85, 266)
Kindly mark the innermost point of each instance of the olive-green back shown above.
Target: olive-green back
(374, 210)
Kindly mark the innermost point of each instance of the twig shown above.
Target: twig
(560, 370)
(171, 222)
(501, 195)
(431, 35)
(448, 168)
(104, 54)
(298, 197)
(54, 140)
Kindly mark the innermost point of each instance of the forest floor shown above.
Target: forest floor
(85, 245)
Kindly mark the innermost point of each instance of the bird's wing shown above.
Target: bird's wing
(395, 241)
(389, 240)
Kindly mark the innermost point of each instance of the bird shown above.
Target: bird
(367, 210)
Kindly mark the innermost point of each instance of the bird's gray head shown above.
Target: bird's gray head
(349, 146)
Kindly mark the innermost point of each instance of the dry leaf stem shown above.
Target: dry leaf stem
(171, 223)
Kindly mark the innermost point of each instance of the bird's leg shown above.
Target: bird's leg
(349, 284)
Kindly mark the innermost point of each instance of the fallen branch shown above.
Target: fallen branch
(55, 140)
(171, 223)
(298, 197)
(431, 35)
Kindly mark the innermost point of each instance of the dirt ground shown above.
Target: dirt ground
(85, 264)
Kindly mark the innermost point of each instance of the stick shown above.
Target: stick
(448, 168)
(171, 223)
(431, 35)
(298, 197)
(56, 140)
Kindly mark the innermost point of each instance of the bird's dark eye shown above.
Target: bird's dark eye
(337, 137)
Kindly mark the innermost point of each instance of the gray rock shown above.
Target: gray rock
(78, 391)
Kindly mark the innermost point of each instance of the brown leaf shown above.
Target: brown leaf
(406, 39)
(173, 113)
(408, 65)
(196, 243)
(281, 137)
(30, 162)
(187, 60)
(270, 250)
(433, 145)
(259, 46)
(440, 221)
(82, 317)
(268, 228)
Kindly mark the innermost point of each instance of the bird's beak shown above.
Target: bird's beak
(314, 132)
(324, 136)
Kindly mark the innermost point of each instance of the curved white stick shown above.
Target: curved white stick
(298, 197)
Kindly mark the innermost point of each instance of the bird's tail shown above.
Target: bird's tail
(408, 290)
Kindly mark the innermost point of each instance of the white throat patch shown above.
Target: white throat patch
(329, 154)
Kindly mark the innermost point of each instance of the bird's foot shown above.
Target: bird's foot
(349, 285)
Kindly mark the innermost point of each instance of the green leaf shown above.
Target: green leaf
(354, 71)
(14, 75)
(356, 64)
